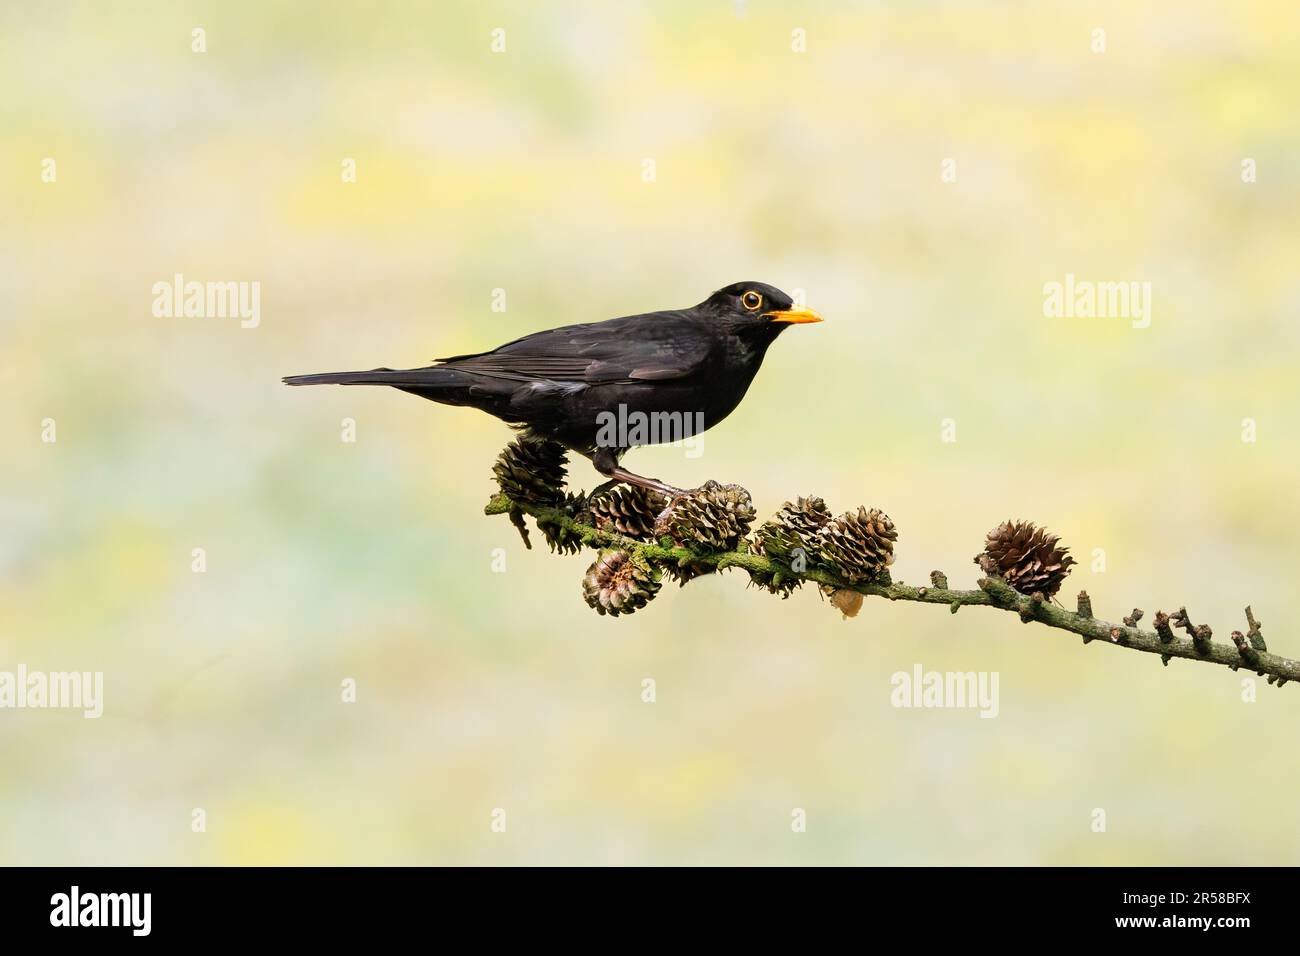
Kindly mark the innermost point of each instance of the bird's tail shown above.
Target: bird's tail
(437, 383)
(409, 378)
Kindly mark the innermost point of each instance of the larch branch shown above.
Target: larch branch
(1248, 650)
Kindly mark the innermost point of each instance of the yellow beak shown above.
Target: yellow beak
(793, 316)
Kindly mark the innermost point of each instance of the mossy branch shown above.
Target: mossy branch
(992, 591)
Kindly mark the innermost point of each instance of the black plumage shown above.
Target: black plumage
(561, 384)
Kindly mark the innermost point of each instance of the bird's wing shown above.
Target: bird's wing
(636, 348)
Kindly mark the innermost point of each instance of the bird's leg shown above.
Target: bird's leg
(654, 484)
(606, 462)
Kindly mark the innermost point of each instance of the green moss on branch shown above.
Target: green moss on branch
(992, 592)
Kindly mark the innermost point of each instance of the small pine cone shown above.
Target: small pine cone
(791, 528)
(532, 470)
(789, 531)
(1028, 557)
(561, 540)
(858, 545)
(716, 516)
(629, 511)
(619, 583)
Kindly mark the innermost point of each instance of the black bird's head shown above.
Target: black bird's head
(756, 308)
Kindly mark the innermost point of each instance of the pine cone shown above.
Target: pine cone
(858, 546)
(716, 516)
(619, 583)
(532, 470)
(561, 540)
(631, 511)
(1028, 557)
(790, 528)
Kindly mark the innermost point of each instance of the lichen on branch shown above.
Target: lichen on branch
(643, 538)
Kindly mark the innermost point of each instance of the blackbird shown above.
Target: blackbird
(600, 388)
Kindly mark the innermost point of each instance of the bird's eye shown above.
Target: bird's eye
(752, 301)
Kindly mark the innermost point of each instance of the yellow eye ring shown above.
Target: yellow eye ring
(752, 301)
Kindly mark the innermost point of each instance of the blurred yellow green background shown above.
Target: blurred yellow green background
(523, 170)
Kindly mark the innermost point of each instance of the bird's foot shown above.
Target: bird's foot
(606, 462)
(599, 490)
(652, 484)
(619, 474)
